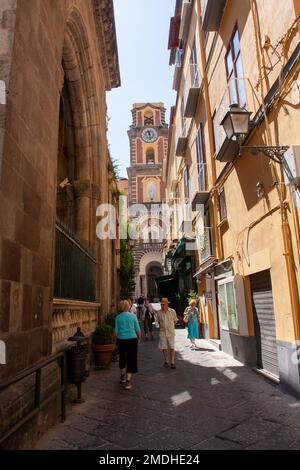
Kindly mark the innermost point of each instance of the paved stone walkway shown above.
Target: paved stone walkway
(209, 402)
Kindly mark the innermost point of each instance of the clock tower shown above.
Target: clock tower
(148, 137)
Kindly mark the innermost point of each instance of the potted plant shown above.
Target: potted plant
(193, 295)
(103, 345)
(111, 319)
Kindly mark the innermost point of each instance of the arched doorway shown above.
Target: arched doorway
(153, 271)
(75, 276)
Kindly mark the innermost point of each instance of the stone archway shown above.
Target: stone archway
(77, 275)
(153, 271)
(145, 260)
(79, 86)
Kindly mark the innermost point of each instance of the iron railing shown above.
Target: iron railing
(39, 404)
(75, 268)
(154, 246)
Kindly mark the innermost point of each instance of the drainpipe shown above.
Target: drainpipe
(281, 189)
(218, 240)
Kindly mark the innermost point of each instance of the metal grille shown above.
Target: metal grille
(75, 268)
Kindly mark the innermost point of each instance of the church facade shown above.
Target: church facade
(57, 61)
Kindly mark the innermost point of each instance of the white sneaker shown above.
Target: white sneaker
(127, 385)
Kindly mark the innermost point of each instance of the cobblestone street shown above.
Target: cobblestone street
(210, 401)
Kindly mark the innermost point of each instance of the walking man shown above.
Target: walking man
(149, 319)
(167, 319)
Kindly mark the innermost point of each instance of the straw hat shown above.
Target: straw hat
(164, 301)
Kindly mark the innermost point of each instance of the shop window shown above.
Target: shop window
(227, 305)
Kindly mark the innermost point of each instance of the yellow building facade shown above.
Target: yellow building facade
(243, 205)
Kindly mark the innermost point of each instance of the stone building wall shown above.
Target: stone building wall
(7, 21)
(51, 41)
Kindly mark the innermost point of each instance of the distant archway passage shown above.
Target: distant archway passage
(153, 271)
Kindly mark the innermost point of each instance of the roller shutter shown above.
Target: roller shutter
(264, 321)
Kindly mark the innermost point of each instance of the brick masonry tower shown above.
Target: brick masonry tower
(148, 136)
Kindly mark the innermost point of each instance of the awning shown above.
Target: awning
(205, 270)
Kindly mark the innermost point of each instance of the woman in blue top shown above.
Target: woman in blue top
(191, 317)
(128, 334)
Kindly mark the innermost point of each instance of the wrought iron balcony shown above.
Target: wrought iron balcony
(212, 14)
(192, 90)
(149, 246)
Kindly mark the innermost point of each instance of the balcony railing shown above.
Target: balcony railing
(152, 246)
(192, 90)
(212, 13)
(205, 245)
(75, 268)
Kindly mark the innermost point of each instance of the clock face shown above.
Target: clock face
(149, 135)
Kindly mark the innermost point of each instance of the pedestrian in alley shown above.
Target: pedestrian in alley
(191, 318)
(167, 319)
(132, 307)
(149, 319)
(140, 307)
(128, 335)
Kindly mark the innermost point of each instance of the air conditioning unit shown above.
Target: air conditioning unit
(291, 164)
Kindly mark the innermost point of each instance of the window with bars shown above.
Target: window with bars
(234, 71)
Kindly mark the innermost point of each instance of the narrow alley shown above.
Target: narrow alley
(210, 401)
(149, 172)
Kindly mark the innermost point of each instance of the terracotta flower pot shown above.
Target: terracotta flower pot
(103, 354)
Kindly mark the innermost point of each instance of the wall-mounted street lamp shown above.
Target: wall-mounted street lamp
(236, 124)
